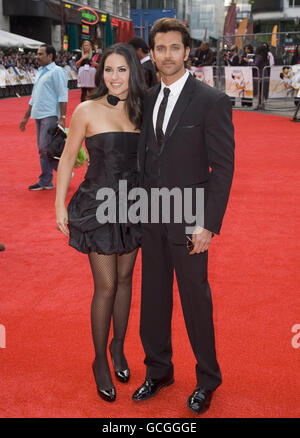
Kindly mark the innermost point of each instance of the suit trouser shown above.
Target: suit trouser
(159, 259)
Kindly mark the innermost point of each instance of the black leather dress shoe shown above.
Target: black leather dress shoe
(151, 387)
(199, 401)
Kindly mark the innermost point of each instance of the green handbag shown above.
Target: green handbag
(81, 157)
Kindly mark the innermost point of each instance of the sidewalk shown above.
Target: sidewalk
(276, 112)
(283, 109)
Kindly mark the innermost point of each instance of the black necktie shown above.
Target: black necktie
(160, 117)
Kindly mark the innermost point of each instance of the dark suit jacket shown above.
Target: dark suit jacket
(150, 74)
(198, 150)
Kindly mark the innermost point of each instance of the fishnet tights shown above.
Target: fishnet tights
(112, 276)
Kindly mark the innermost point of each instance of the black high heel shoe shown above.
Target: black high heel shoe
(122, 375)
(108, 395)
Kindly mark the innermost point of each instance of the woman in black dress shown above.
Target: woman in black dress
(109, 122)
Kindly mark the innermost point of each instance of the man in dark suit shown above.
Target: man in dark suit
(187, 141)
(142, 51)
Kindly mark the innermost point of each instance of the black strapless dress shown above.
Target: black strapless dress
(113, 157)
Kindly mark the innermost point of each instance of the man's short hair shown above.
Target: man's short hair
(49, 50)
(165, 25)
(139, 43)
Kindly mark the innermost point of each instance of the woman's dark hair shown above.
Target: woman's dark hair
(262, 50)
(266, 45)
(50, 49)
(250, 47)
(136, 88)
(165, 25)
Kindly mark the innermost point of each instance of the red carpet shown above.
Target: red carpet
(254, 271)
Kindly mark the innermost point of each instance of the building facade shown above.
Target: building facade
(284, 13)
(4, 20)
(54, 21)
(204, 18)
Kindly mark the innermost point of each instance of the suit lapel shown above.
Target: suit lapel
(181, 104)
(148, 115)
(152, 99)
(147, 122)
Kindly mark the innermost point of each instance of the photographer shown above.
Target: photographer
(226, 57)
(234, 59)
(247, 58)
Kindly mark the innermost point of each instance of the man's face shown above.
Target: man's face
(42, 57)
(140, 53)
(169, 53)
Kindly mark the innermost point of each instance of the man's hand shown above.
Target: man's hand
(23, 124)
(201, 239)
(62, 122)
(25, 119)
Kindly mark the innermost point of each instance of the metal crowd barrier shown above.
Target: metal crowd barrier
(240, 101)
(271, 90)
(271, 101)
(263, 96)
(26, 89)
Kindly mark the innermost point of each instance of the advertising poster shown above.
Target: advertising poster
(239, 82)
(2, 76)
(70, 72)
(282, 81)
(11, 77)
(204, 74)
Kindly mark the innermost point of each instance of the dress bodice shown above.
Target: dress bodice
(113, 156)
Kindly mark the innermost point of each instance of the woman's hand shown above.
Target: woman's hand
(62, 220)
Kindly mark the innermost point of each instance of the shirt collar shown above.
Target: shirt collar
(48, 67)
(177, 86)
(146, 58)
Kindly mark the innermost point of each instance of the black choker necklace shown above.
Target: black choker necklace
(113, 100)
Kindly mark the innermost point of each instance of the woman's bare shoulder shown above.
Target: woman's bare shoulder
(88, 107)
(85, 112)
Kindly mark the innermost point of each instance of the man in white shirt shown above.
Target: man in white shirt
(48, 106)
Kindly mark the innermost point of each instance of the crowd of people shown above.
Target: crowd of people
(200, 57)
(28, 60)
(260, 57)
(249, 55)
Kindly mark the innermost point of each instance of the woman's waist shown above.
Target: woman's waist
(112, 180)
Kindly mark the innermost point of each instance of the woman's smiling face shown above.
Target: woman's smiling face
(116, 75)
